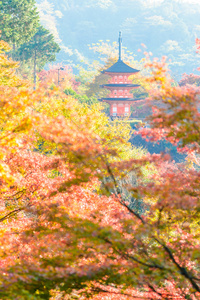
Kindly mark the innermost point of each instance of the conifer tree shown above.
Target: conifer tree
(42, 44)
(40, 50)
(19, 20)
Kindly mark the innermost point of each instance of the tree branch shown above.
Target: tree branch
(125, 255)
(98, 289)
(12, 213)
(119, 193)
(182, 270)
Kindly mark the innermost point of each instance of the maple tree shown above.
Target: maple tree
(191, 79)
(58, 76)
(70, 178)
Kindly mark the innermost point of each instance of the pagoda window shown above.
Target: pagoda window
(126, 109)
(114, 108)
(121, 93)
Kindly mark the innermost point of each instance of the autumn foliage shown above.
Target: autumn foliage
(58, 76)
(70, 186)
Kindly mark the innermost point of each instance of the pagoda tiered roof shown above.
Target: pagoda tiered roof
(120, 67)
(120, 85)
(119, 99)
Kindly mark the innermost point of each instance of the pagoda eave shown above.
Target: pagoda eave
(117, 99)
(120, 67)
(118, 85)
(118, 73)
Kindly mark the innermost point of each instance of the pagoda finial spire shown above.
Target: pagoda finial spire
(120, 45)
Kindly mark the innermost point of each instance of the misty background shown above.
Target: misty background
(166, 27)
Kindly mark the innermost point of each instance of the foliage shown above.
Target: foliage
(94, 87)
(81, 98)
(41, 46)
(7, 71)
(58, 76)
(33, 45)
(191, 79)
(177, 116)
(18, 20)
(74, 234)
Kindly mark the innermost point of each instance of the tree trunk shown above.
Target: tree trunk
(34, 71)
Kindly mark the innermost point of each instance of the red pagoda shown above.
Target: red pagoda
(120, 98)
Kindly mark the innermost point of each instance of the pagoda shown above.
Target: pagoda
(119, 98)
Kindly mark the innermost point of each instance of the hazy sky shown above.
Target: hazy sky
(166, 27)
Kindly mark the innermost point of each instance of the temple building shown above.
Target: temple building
(120, 97)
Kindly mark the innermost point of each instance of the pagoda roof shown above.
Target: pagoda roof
(120, 85)
(118, 99)
(120, 67)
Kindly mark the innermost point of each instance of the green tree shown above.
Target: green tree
(40, 50)
(19, 20)
(94, 88)
(80, 98)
